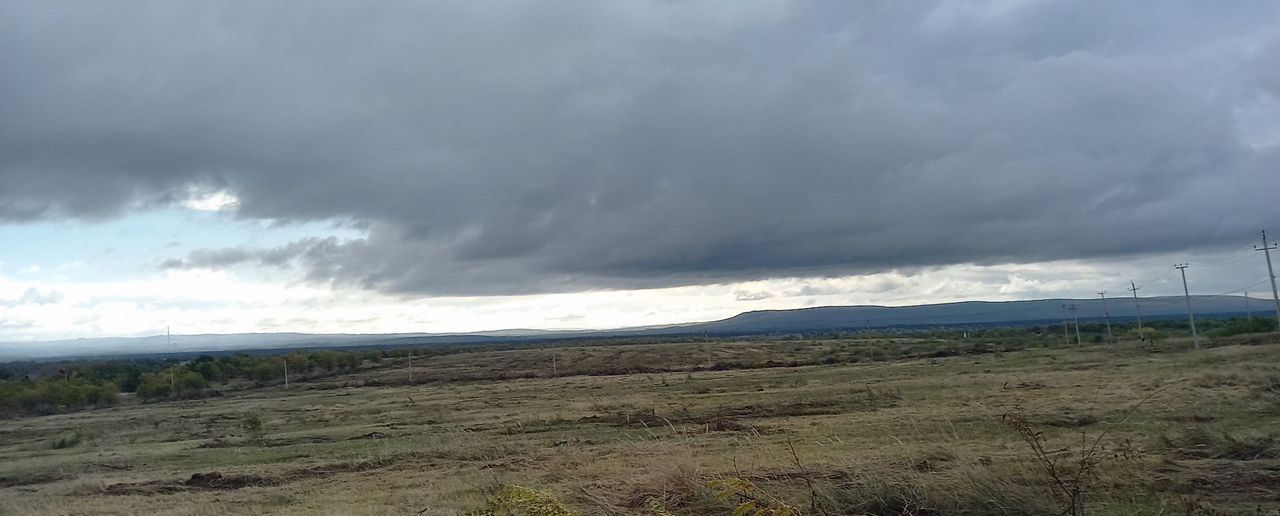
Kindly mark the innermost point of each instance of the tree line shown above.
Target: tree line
(34, 388)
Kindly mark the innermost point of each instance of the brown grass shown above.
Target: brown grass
(915, 435)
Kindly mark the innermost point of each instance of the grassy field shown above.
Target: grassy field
(905, 426)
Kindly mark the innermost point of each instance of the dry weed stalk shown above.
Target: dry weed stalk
(1069, 485)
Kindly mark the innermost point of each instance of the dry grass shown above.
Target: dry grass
(915, 435)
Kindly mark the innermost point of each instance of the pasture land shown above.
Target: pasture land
(822, 427)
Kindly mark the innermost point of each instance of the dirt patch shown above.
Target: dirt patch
(233, 442)
(215, 480)
(1032, 385)
(726, 419)
(291, 441)
(1203, 443)
(212, 481)
(1191, 418)
(1222, 480)
(1064, 420)
(324, 470)
(143, 488)
(219, 442)
(30, 481)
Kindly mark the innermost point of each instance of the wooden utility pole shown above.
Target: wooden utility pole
(1076, 320)
(1195, 337)
(1136, 306)
(1106, 314)
(1266, 250)
(1065, 333)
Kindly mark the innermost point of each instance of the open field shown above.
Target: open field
(826, 427)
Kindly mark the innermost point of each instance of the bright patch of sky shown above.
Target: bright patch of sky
(132, 247)
(71, 280)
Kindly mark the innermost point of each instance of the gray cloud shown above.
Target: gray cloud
(35, 296)
(307, 250)
(503, 147)
(751, 295)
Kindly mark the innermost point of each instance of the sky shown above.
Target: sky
(320, 166)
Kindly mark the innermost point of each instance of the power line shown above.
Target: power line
(1242, 289)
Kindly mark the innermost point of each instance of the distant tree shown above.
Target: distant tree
(207, 369)
(190, 382)
(298, 362)
(326, 360)
(154, 386)
(266, 371)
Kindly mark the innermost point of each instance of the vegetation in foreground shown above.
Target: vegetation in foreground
(1008, 424)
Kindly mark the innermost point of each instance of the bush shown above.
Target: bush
(68, 441)
(190, 382)
(253, 425)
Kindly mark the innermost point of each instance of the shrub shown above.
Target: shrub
(155, 386)
(513, 499)
(253, 424)
(190, 382)
(68, 441)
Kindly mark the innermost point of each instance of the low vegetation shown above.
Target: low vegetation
(36, 388)
(1008, 422)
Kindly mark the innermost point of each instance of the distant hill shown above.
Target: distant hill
(967, 313)
(970, 313)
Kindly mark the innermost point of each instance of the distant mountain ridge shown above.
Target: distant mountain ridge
(975, 313)
(964, 313)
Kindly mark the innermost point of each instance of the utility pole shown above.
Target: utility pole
(1076, 320)
(1195, 337)
(1065, 333)
(173, 382)
(1248, 311)
(1136, 306)
(553, 364)
(1266, 249)
(286, 372)
(1106, 315)
(411, 366)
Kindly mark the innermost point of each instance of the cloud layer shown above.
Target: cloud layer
(504, 147)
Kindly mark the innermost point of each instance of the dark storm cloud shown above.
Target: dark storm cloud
(509, 147)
